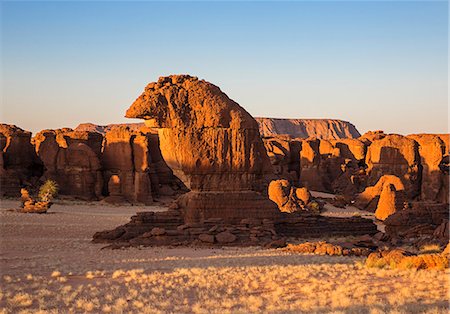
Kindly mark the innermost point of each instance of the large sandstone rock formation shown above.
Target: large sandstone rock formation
(127, 162)
(19, 165)
(212, 144)
(307, 128)
(71, 159)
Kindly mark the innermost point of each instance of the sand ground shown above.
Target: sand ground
(49, 265)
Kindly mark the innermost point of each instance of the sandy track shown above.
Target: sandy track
(49, 263)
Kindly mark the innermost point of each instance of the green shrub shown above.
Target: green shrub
(48, 191)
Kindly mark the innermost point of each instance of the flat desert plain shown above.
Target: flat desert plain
(49, 265)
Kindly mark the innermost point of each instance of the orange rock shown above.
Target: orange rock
(432, 151)
(395, 155)
(388, 203)
(369, 198)
(210, 143)
(19, 163)
(307, 128)
(72, 160)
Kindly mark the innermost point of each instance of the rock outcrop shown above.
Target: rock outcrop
(212, 144)
(395, 155)
(288, 198)
(390, 201)
(126, 162)
(369, 198)
(419, 219)
(19, 165)
(307, 128)
(432, 151)
(71, 159)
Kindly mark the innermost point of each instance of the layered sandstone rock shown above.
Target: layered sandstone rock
(420, 219)
(210, 143)
(19, 165)
(395, 155)
(307, 128)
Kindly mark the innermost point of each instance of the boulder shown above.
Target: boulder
(207, 238)
(303, 195)
(210, 143)
(288, 198)
(225, 237)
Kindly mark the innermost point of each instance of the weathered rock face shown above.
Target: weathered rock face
(307, 128)
(123, 164)
(72, 160)
(396, 155)
(333, 166)
(126, 156)
(19, 165)
(432, 150)
(210, 143)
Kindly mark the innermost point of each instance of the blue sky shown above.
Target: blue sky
(380, 65)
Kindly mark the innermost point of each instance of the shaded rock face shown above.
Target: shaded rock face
(332, 166)
(307, 128)
(418, 220)
(72, 160)
(19, 165)
(396, 155)
(210, 143)
(433, 153)
(284, 155)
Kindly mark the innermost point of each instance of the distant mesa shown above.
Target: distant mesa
(103, 129)
(328, 129)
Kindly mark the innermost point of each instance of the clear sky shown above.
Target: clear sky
(379, 64)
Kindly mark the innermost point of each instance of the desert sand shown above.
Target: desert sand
(48, 264)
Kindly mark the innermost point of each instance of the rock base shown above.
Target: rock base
(170, 228)
(231, 207)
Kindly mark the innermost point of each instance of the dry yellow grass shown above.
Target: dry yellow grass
(304, 283)
(50, 266)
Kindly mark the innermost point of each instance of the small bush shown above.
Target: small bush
(48, 191)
